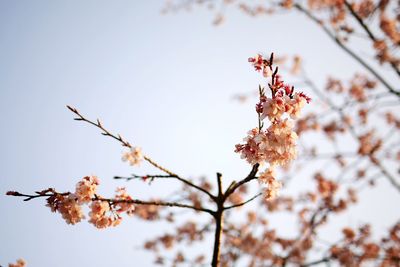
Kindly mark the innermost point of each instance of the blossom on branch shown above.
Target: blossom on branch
(86, 189)
(68, 206)
(277, 144)
(261, 64)
(100, 215)
(103, 212)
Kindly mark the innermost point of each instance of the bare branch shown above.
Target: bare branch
(312, 263)
(125, 143)
(249, 177)
(243, 203)
(144, 177)
(155, 203)
(386, 173)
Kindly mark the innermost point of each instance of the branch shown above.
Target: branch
(218, 216)
(149, 176)
(155, 203)
(243, 203)
(127, 144)
(346, 49)
(46, 193)
(315, 89)
(309, 231)
(385, 172)
(368, 31)
(234, 185)
(219, 182)
(325, 259)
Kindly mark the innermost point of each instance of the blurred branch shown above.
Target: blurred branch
(155, 203)
(368, 31)
(386, 173)
(315, 89)
(144, 177)
(346, 49)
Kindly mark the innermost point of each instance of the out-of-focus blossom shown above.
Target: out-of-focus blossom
(134, 156)
(19, 263)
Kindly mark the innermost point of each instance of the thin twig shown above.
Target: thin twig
(155, 203)
(243, 203)
(386, 173)
(113, 201)
(149, 176)
(125, 143)
(352, 131)
(325, 259)
(249, 177)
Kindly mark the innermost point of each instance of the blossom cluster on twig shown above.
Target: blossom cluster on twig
(276, 145)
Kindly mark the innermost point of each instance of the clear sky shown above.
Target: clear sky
(165, 82)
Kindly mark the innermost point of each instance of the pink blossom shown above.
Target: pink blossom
(86, 189)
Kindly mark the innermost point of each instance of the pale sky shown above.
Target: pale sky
(165, 82)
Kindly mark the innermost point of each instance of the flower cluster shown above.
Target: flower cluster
(103, 213)
(86, 189)
(277, 144)
(261, 64)
(102, 216)
(122, 195)
(281, 103)
(134, 156)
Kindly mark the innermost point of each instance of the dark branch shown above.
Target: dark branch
(312, 263)
(51, 192)
(243, 203)
(251, 176)
(144, 177)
